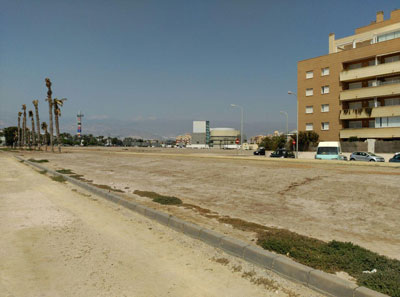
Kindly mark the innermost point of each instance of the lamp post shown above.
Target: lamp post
(241, 124)
(287, 124)
(297, 116)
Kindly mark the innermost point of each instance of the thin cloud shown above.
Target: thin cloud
(98, 117)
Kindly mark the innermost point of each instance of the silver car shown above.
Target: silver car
(368, 157)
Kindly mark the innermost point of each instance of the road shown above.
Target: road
(58, 240)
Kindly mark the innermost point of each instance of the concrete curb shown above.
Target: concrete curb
(320, 281)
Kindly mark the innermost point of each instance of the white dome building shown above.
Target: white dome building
(223, 136)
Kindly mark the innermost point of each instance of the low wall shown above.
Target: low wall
(387, 146)
(354, 146)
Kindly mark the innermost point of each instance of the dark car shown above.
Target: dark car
(395, 158)
(260, 152)
(282, 153)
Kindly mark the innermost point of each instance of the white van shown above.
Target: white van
(329, 150)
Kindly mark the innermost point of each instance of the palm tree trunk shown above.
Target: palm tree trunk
(19, 131)
(24, 129)
(51, 122)
(37, 123)
(28, 134)
(45, 139)
(57, 129)
(49, 92)
(33, 132)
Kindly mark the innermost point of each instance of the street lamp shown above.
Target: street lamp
(297, 116)
(287, 124)
(241, 124)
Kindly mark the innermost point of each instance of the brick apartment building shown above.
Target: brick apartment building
(354, 91)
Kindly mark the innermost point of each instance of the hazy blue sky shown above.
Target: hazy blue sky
(154, 66)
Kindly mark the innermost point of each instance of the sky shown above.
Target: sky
(149, 68)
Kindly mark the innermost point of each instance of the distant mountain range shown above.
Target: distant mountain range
(154, 128)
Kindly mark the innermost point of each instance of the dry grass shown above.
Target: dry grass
(223, 261)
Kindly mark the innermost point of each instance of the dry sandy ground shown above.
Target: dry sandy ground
(57, 240)
(325, 200)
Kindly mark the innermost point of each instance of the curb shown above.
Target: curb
(317, 280)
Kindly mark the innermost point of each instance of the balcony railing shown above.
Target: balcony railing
(391, 132)
(370, 112)
(370, 71)
(383, 89)
(359, 113)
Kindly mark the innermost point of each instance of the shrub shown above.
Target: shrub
(162, 199)
(38, 161)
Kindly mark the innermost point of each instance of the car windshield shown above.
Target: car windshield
(327, 151)
(371, 154)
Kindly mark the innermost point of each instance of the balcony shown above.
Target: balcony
(370, 71)
(392, 132)
(370, 92)
(368, 112)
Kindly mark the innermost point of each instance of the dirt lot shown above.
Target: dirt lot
(57, 240)
(325, 200)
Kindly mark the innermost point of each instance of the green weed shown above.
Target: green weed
(58, 178)
(65, 171)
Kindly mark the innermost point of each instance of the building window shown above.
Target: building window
(371, 123)
(325, 126)
(309, 92)
(387, 122)
(309, 109)
(355, 105)
(355, 124)
(389, 36)
(325, 71)
(309, 74)
(309, 127)
(324, 107)
(354, 66)
(325, 90)
(392, 101)
(391, 59)
(356, 85)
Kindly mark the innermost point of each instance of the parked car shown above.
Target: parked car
(259, 152)
(364, 156)
(395, 158)
(329, 150)
(282, 153)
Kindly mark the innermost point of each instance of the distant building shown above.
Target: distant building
(223, 136)
(184, 139)
(257, 139)
(201, 132)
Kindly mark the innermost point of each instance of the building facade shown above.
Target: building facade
(221, 137)
(354, 91)
(201, 132)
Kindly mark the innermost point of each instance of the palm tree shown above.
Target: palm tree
(36, 104)
(33, 128)
(57, 113)
(24, 125)
(44, 128)
(49, 92)
(19, 128)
